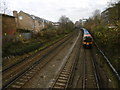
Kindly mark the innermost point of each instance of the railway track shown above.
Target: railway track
(90, 75)
(4, 69)
(64, 76)
(87, 77)
(24, 75)
(112, 81)
(109, 63)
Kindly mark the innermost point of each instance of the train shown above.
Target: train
(87, 39)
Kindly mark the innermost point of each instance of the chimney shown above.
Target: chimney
(15, 13)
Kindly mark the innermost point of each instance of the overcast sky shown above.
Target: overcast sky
(53, 9)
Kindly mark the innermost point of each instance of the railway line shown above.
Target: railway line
(65, 64)
(24, 75)
(64, 76)
(4, 69)
(88, 76)
(109, 64)
(91, 73)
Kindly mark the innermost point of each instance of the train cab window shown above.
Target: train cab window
(87, 39)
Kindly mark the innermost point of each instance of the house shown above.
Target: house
(105, 17)
(111, 15)
(26, 21)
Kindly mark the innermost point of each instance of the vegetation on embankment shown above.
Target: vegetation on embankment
(19, 48)
(24, 46)
(108, 40)
(17, 51)
(107, 36)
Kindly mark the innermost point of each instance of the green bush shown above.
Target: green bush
(109, 41)
(23, 31)
(20, 46)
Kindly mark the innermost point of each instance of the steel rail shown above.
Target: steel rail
(76, 61)
(63, 77)
(108, 62)
(28, 68)
(26, 58)
(84, 72)
(95, 71)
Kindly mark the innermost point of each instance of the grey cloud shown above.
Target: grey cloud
(53, 9)
(61, 9)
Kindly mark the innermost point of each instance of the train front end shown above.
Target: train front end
(87, 41)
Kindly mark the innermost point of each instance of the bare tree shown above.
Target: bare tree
(96, 17)
(3, 7)
(63, 19)
(96, 14)
(65, 24)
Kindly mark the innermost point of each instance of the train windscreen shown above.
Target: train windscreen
(87, 39)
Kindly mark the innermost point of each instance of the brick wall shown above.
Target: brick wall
(8, 28)
(8, 25)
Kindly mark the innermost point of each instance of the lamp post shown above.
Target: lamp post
(33, 23)
(43, 24)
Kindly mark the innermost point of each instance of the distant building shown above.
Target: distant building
(78, 23)
(29, 22)
(105, 16)
(56, 24)
(111, 15)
